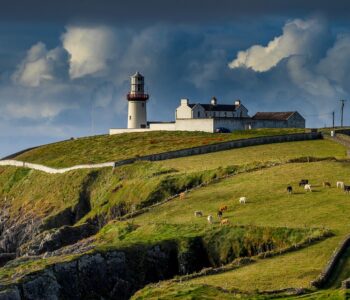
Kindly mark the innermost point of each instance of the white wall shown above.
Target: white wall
(198, 112)
(183, 111)
(206, 125)
(242, 109)
(231, 124)
(162, 126)
(127, 130)
(137, 115)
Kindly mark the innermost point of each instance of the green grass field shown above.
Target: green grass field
(280, 153)
(269, 205)
(269, 214)
(106, 148)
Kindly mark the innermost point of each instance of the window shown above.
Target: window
(129, 117)
(198, 114)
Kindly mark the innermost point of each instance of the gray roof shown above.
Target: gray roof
(278, 116)
(218, 107)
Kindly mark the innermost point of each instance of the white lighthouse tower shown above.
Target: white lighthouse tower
(137, 99)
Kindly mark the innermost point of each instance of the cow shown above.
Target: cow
(223, 208)
(198, 213)
(327, 184)
(303, 182)
(224, 222)
(340, 184)
(210, 219)
(307, 187)
(243, 200)
(347, 189)
(289, 189)
(219, 214)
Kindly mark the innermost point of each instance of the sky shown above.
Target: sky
(65, 66)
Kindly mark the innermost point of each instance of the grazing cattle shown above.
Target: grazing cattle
(198, 213)
(307, 187)
(326, 184)
(219, 214)
(224, 222)
(210, 219)
(340, 184)
(182, 195)
(303, 182)
(223, 208)
(243, 200)
(289, 189)
(347, 189)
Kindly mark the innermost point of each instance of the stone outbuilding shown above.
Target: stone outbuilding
(290, 119)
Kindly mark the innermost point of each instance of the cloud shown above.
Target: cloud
(336, 64)
(41, 65)
(299, 37)
(90, 49)
(307, 66)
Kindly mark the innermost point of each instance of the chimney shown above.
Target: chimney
(238, 102)
(185, 101)
(213, 101)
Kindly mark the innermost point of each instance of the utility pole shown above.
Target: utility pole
(342, 112)
(333, 118)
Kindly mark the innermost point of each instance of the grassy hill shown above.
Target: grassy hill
(106, 148)
(272, 221)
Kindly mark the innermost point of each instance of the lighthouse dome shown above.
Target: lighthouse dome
(137, 75)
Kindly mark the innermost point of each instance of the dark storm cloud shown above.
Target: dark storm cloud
(137, 11)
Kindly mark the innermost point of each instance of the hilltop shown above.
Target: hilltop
(105, 148)
(126, 227)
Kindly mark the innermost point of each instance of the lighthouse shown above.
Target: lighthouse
(137, 99)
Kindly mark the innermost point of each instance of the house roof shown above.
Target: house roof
(218, 107)
(278, 116)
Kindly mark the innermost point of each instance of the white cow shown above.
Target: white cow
(210, 219)
(243, 200)
(340, 184)
(307, 187)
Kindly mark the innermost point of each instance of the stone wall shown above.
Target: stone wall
(325, 275)
(16, 163)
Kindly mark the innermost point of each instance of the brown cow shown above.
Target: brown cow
(327, 184)
(223, 208)
(224, 222)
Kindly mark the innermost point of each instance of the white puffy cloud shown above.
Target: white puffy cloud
(41, 65)
(90, 49)
(299, 37)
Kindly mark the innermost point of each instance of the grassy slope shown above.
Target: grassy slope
(279, 209)
(271, 152)
(105, 148)
(270, 206)
(195, 292)
(28, 193)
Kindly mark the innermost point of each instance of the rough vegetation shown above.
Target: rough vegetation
(109, 232)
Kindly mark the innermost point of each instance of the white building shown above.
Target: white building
(209, 117)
